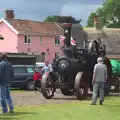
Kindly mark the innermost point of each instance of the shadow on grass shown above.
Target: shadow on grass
(18, 113)
(8, 118)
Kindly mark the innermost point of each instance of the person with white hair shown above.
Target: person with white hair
(99, 77)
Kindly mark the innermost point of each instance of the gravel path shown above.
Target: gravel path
(21, 98)
(31, 98)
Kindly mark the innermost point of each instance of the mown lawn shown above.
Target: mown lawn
(18, 90)
(80, 110)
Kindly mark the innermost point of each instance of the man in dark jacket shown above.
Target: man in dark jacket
(6, 75)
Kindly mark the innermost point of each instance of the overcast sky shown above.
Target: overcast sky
(40, 9)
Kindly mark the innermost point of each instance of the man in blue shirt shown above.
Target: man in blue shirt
(6, 75)
(47, 67)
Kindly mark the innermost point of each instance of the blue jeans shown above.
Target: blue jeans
(5, 99)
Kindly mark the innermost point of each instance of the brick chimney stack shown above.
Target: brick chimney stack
(96, 23)
(9, 14)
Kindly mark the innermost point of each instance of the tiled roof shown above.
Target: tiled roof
(34, 27)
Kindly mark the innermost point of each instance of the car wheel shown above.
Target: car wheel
(30, 85)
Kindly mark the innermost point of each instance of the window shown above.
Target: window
(27, 40)
(19, 70)
(57, 55)
(57, 41)
(41, 39)
(30, 70)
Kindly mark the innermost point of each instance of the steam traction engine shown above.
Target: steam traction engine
(73, 71)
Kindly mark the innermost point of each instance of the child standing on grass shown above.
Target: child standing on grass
(37, 78)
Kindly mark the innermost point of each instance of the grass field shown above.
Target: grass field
(80, 110)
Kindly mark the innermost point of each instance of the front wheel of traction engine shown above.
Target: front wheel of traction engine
(48, 86)
(81, 86)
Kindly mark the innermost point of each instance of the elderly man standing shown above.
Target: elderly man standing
(6, 75)
(99, 78)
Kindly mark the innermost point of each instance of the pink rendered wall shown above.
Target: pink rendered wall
(36, 46)
(9, 43)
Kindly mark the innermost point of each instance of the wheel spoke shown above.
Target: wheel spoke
(49, 86)
(49, 91)
(81, 90)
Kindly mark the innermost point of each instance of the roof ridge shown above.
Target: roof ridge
(29, 20)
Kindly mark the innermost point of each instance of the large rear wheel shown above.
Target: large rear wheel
(107, 90)
(80, 85)
(48, 86)
(109, 80)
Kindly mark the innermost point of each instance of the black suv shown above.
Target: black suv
(23, 77)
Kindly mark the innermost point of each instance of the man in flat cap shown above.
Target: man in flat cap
(6, 75)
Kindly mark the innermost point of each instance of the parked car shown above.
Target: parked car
(23, 77)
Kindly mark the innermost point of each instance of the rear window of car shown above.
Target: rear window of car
(30, 70)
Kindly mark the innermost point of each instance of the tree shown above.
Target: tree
(112, 13)
(91, 19)
(99, 13)
(101, 16)
(109, 14)
(62, 19)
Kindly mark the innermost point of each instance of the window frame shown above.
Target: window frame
(57, 41)
(41, 38)
(27, 39)
(57, 55)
